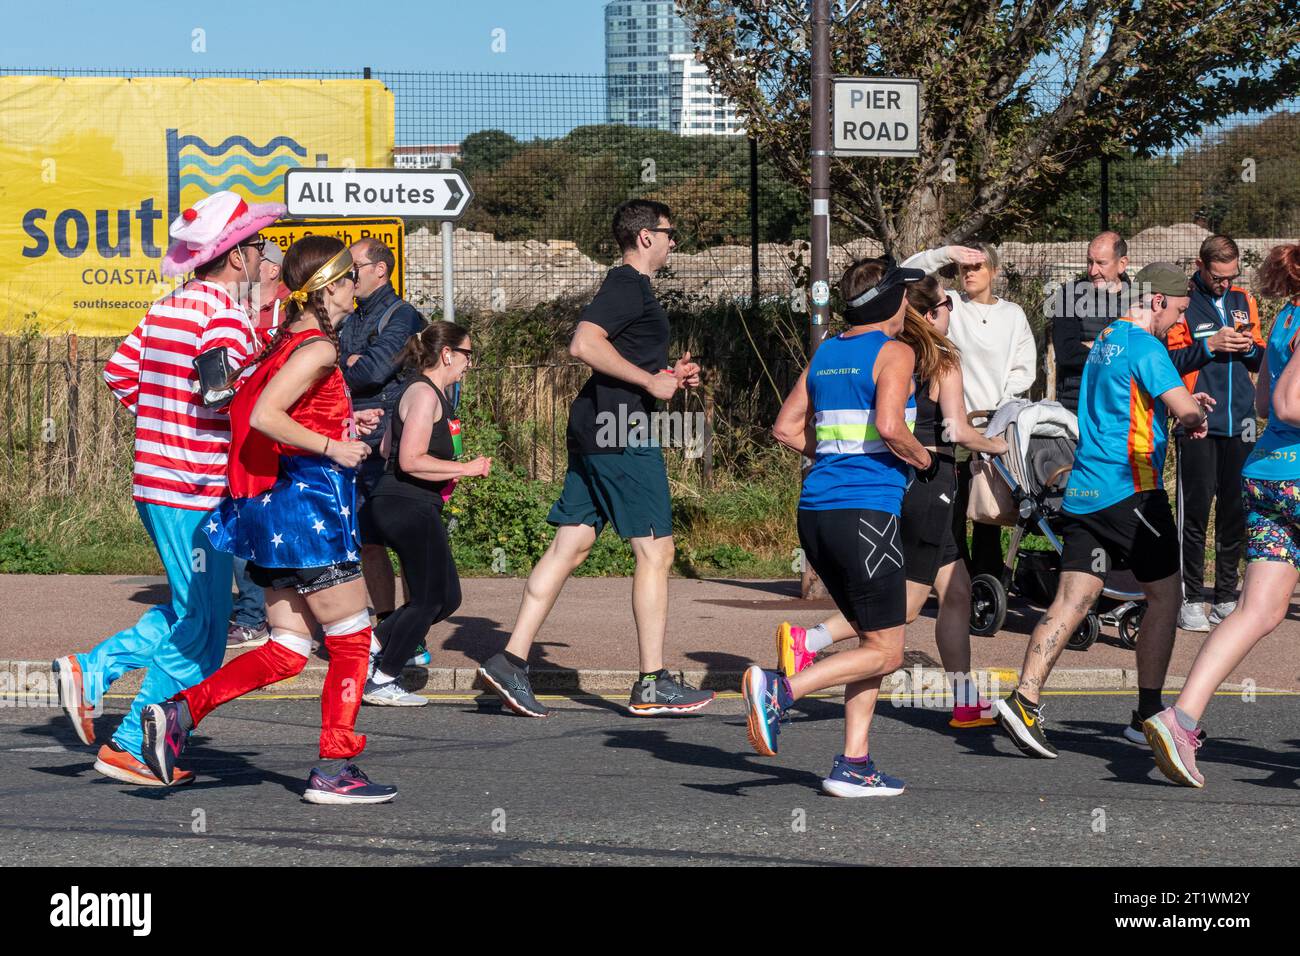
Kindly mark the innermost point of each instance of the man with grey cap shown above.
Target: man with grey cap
(1116, 513)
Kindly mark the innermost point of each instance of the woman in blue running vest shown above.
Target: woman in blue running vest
(1271, 485)
(852, 411)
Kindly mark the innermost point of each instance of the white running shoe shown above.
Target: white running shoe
(391, 695)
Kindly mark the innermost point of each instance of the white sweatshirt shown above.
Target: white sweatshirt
(999, 360)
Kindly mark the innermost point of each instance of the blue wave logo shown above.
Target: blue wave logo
(196, 168)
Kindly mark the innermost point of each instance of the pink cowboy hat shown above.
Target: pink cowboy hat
(212, 226)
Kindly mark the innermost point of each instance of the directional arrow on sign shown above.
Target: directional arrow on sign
(407, 193)
(456, 194)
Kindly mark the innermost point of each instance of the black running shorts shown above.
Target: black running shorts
(928, 541)
(858, 556)
(304, 580)
(1136, 534)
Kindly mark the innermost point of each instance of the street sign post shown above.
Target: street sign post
(876, 116)
(408, 193)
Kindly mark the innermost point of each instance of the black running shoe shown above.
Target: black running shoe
(512, 685)
(1023, 722)
(664, 695)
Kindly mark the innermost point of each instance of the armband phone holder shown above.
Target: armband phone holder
(214, 368)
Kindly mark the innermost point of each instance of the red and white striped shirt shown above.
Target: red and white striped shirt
(180, 445)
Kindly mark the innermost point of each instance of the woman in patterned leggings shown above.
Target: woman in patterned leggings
(1271, 485)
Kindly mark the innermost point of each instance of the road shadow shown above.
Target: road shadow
(790, 588)
(480, 638)
(659, 745)
(230, 768)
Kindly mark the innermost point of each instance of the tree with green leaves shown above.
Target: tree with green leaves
(1017, 94)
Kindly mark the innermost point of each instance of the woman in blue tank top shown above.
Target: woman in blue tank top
(1271, 485)
(852, 412)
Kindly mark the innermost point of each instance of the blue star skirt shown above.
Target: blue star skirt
(306, 520)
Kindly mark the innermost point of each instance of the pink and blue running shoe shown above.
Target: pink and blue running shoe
(852, 778)
(349, 785)
(165, 737)
(767, 697)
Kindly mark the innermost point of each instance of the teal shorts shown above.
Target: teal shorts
(627, 490)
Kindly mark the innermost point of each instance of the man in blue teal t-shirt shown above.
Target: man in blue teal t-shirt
(1116, 512)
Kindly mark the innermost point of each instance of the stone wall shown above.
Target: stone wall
(495, 276)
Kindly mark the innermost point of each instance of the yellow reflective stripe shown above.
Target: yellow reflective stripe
(847, 433)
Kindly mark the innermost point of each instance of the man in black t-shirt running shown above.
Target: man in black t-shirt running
(616, 471)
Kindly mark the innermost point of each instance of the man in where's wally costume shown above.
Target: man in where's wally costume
(179, 477)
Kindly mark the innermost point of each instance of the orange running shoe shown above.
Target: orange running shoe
(120, 765)
(72, 695)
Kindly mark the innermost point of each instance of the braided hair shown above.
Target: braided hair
(301, 261)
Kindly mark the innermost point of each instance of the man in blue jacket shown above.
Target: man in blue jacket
(371, 339)
(1216, 351)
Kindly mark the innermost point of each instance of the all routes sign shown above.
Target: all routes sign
(409, 193)
(876, 116)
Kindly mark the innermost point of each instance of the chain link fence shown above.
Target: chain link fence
(547, 171)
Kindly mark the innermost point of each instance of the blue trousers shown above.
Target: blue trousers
(179, 643)
(250, 604)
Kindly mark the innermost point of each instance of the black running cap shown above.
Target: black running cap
(882, 300)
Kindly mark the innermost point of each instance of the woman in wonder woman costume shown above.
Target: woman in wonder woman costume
(292, 515)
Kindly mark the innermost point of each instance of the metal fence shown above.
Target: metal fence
(62, 430)
(547, 170)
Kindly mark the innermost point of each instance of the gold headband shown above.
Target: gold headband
(331, 271)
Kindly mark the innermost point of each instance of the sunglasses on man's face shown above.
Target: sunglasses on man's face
(259, 244)
(669, 231)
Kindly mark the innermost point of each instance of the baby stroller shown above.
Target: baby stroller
(1029, 485)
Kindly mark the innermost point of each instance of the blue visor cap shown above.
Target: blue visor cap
(882, 300)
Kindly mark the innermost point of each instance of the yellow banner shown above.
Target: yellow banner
(94, 169)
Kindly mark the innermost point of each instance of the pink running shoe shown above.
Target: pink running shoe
(792, 655)
(1174, 748)
(964, 717)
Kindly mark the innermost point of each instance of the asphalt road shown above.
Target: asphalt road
(591, 786)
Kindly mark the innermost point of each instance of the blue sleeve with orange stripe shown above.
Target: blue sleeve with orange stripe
(1152, 367)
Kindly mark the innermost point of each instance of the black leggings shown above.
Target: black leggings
(414, 529)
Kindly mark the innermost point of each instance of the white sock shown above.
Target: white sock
(817, 638)
(381, 678)
(375, 646)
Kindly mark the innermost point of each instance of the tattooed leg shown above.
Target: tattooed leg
(1075, 595)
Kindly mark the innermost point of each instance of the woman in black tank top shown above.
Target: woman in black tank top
(406, 505)
(931, 558)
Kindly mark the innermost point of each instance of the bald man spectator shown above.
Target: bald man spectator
(371, 339)
(1216, 348)
(1081, 308)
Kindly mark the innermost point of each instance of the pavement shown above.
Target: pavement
(716, 628)
(591, 785)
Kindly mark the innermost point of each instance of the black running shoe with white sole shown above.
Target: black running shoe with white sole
(512, 685)
(665, 695)
(1023, 723)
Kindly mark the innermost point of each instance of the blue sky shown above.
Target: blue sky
(541, 36)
